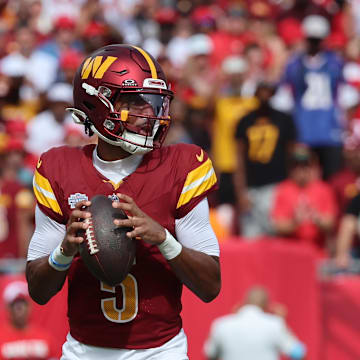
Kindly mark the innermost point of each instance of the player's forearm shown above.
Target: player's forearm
(199, 272)
(43, 281)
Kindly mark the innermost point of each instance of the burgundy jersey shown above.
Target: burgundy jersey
(144, 310)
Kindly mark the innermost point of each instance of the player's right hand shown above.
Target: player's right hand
(76, 224)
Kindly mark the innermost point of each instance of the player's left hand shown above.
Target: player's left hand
(143, 225)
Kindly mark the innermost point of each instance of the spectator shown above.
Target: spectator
(290, 31)
(69, 62)
(64, 37)
(264, 137)
(53, 9)
(199, 78)
(19, 100)
(346, 182)
(15, 103)
(177, 49)
(45, 60)
(255, 57)
(177, 132)
(16, 204)
(22, 48)
(230, 105)
(314, 77)
(19, 339)
(199, 83)
(346, 186)
(21, 163)
(304, 206)
(252, 333)
(47, 128)
(232, 34)
(347, 241)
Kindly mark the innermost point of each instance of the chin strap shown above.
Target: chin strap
(80, 118)
(87, 125)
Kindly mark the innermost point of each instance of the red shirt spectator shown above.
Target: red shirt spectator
(31, 343)
(232, 35)
(304, 206)
(19, 340)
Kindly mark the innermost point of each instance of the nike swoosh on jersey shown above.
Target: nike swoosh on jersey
(201, 156)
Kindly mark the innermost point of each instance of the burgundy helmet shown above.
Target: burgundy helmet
(132, 75)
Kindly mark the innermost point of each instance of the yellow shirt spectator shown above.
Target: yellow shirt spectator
(228, 111)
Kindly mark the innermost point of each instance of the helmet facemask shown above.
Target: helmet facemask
(139, 118)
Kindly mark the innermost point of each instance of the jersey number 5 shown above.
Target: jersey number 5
(129, 308)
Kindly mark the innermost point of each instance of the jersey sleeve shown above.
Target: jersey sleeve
(46, 187)
(196, 178)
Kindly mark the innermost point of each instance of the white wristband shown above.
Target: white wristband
(170, 248)
(58, 261)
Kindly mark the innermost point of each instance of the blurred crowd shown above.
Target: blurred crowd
(269, 88)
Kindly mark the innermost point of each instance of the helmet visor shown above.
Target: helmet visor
(139, 103)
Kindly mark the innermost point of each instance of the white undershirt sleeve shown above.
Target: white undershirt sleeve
(194, 230)
(48, 234)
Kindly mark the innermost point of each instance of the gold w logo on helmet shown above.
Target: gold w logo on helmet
(96, 66)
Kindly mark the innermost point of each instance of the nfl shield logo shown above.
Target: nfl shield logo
(73, 199)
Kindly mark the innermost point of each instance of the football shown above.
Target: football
(107, 251)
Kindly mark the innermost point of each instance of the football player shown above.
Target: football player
(121, 94)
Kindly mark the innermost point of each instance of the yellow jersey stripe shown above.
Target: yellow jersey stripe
(44, 193)
(197, 182)
(149, 61)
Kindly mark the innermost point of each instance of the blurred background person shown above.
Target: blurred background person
(46, 57)
(346, 181)
(253, 333)
(314, 77)
(17, 206)
(47, 129)
(347, 246)
(346, 186)
(197, 87)
(304, 207)
(264, 138)
(70, 60)
(232, 33)
(19, 339)
(229, 106)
